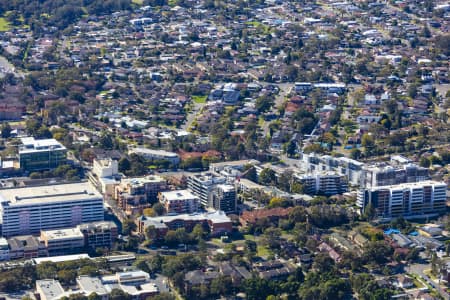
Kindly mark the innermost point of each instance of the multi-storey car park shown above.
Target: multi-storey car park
(31, 209)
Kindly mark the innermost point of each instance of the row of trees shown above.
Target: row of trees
(63, 171)
(179, 236)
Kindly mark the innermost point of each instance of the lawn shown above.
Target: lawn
(254, 23)
(4, 25)
(417, 283)
(249, 237)
(263, 251)
(199, 99)
(261, 121)
(257, 24)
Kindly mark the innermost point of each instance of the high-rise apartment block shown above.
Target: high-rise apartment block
(223, 197)
(425, 198)
(135, 194)
(201, 185)
(390, 175)
(179, 202)
(352, 169)
(323, 183)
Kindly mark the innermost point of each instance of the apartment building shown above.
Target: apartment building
(202, 184)
(315, 163)
(382, 174)
(179, 202)
(105, 167)
(32, 209)
(323, 183)
(151, 154)
(99, 234)
(231, 169)
(135, 194)
(4, 249)
(217, 222)
(37, 155)
(425, 198)
(223, 197)
(105, 176)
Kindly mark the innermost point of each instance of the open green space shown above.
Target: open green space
(4, 24)
(199, 99)
(249, 237)
(257, 24)
(263, 251)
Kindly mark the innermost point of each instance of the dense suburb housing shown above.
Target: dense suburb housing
(31, 209)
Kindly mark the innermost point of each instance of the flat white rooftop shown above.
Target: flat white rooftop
(178, 195)
(226, 187)
(49, 193)
(418, 184)
(29, 144)
(51, 288)
(62, 234)
(91, 285)
(142, 180)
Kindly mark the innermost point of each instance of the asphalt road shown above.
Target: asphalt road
(419, 269)
(190, 117)
(285, 88)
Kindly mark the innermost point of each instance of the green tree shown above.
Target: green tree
(323, 262)
(221, 285)
(106, 141)
(171, 238)
(162, 296)
(128, 226)
(377, 252)
(6, 130)
(297, 188)
(67, 277)
(257, 288)
(124, 165)
(94, 296)
(249, 173)
(158, 208)
(151, 233)
(264, 103)
(291, 148)
(90, 270)
(182, 236)
(118, 294)
(198, 233)
(272, 237)
(368, 142)
(370, 212)
(355, 153)
(267, 177)
(46, 270)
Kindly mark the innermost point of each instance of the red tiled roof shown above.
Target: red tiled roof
(252, 216)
